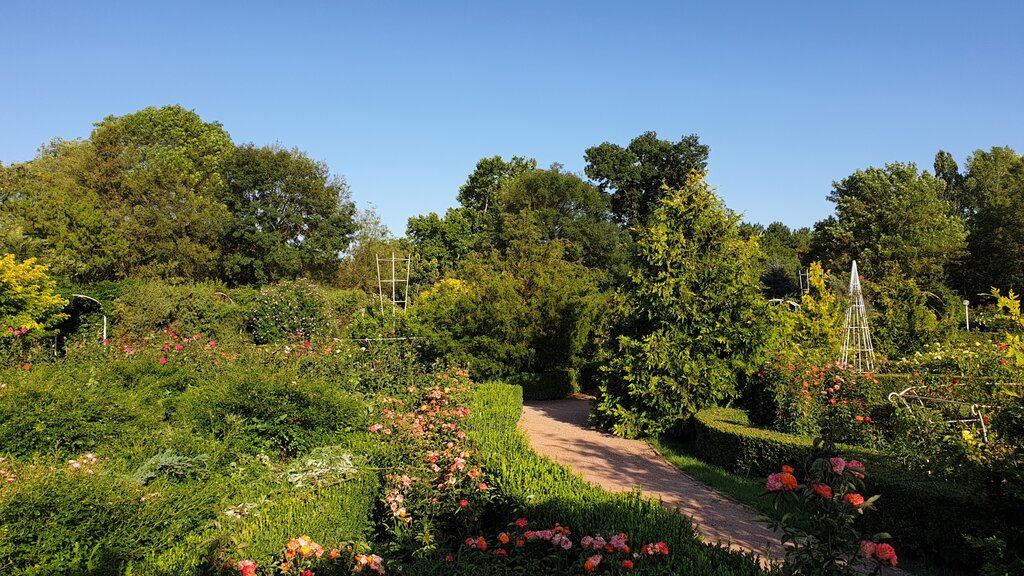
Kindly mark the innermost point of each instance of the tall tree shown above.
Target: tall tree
(158, 172)
(561, 206)
(995, 179)
(893, 214)
(289, 216)
(635, 175)
(695, 316)
(54, 212)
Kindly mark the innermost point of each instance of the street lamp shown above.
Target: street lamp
(967, 317)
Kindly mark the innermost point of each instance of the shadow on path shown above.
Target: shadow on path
(558, 429)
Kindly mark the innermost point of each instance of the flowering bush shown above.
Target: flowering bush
(820, 534)
(304, 557)
(829, 400)
(555, 549)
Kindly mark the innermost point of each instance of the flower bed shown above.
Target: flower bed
(915, 509)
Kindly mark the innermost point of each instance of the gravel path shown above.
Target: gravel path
(558, 429)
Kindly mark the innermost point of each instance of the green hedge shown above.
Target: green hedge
(547, 493)
(553, 385)
(926, 516)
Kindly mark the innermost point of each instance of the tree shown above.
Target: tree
(785, 251)
(56, 214)
(635, 175)
(158, 172)
(481, 188)
(499, 314)
(561, 206)
(947, 170)
(290, 217)
(439, 243)
(892, 214)
(694, 320)
(995, 179)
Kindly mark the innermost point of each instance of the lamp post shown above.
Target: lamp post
(967, 316)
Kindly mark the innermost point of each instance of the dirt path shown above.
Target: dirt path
(558, 429)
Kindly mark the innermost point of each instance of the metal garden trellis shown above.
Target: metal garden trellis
(857, 351)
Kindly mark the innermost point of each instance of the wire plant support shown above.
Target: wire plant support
(857, 352)
(399, 295)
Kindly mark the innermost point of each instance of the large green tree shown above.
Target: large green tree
(158, 172)
(694, 319)
(54, 212)
(289, 216)
(995, 181)
(889, 215)
(634, 175)
(561, 206)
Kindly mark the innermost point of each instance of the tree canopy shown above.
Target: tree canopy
(634, 175)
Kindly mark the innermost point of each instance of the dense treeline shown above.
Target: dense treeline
(629, 271)
(162, 194)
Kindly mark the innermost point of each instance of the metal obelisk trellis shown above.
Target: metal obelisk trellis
(392, 265)
(857, 350)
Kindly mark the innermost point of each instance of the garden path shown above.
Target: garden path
(558, 429)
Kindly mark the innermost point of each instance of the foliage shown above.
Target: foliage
(561, 207)
(892, 214)
(818, 332)
(148, 306)
(546, 494)
(819, 533)
(289, 217)
(915, 508)
(696, 318)
(275, 413)
(994, 186)
(288, 309)
(531, 311)
(553, 385)
(29, 302)
(635, 176)
(902, 321)
(158, 171)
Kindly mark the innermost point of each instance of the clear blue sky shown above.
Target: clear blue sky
(402, 98)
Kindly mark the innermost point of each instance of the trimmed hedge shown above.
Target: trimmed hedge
(924, 515)
(547, 493)
(553, 385)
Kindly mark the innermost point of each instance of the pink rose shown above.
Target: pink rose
(838, 464)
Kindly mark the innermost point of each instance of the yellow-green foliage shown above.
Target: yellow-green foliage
(28, 297)
(820, 319)
(1010, 307)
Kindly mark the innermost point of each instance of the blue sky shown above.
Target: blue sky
(402, 98)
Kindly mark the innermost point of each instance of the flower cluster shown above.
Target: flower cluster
(555, 544)
(83, 463)
(820, 531)
(781, 481)
(884, 553)
(370, 562)
(302, 555)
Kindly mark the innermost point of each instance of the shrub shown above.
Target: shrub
(149, 306)
(29, 302)
(276, 411)
(915, 509)
(53, 409)
(552, 385)
(288, 309)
